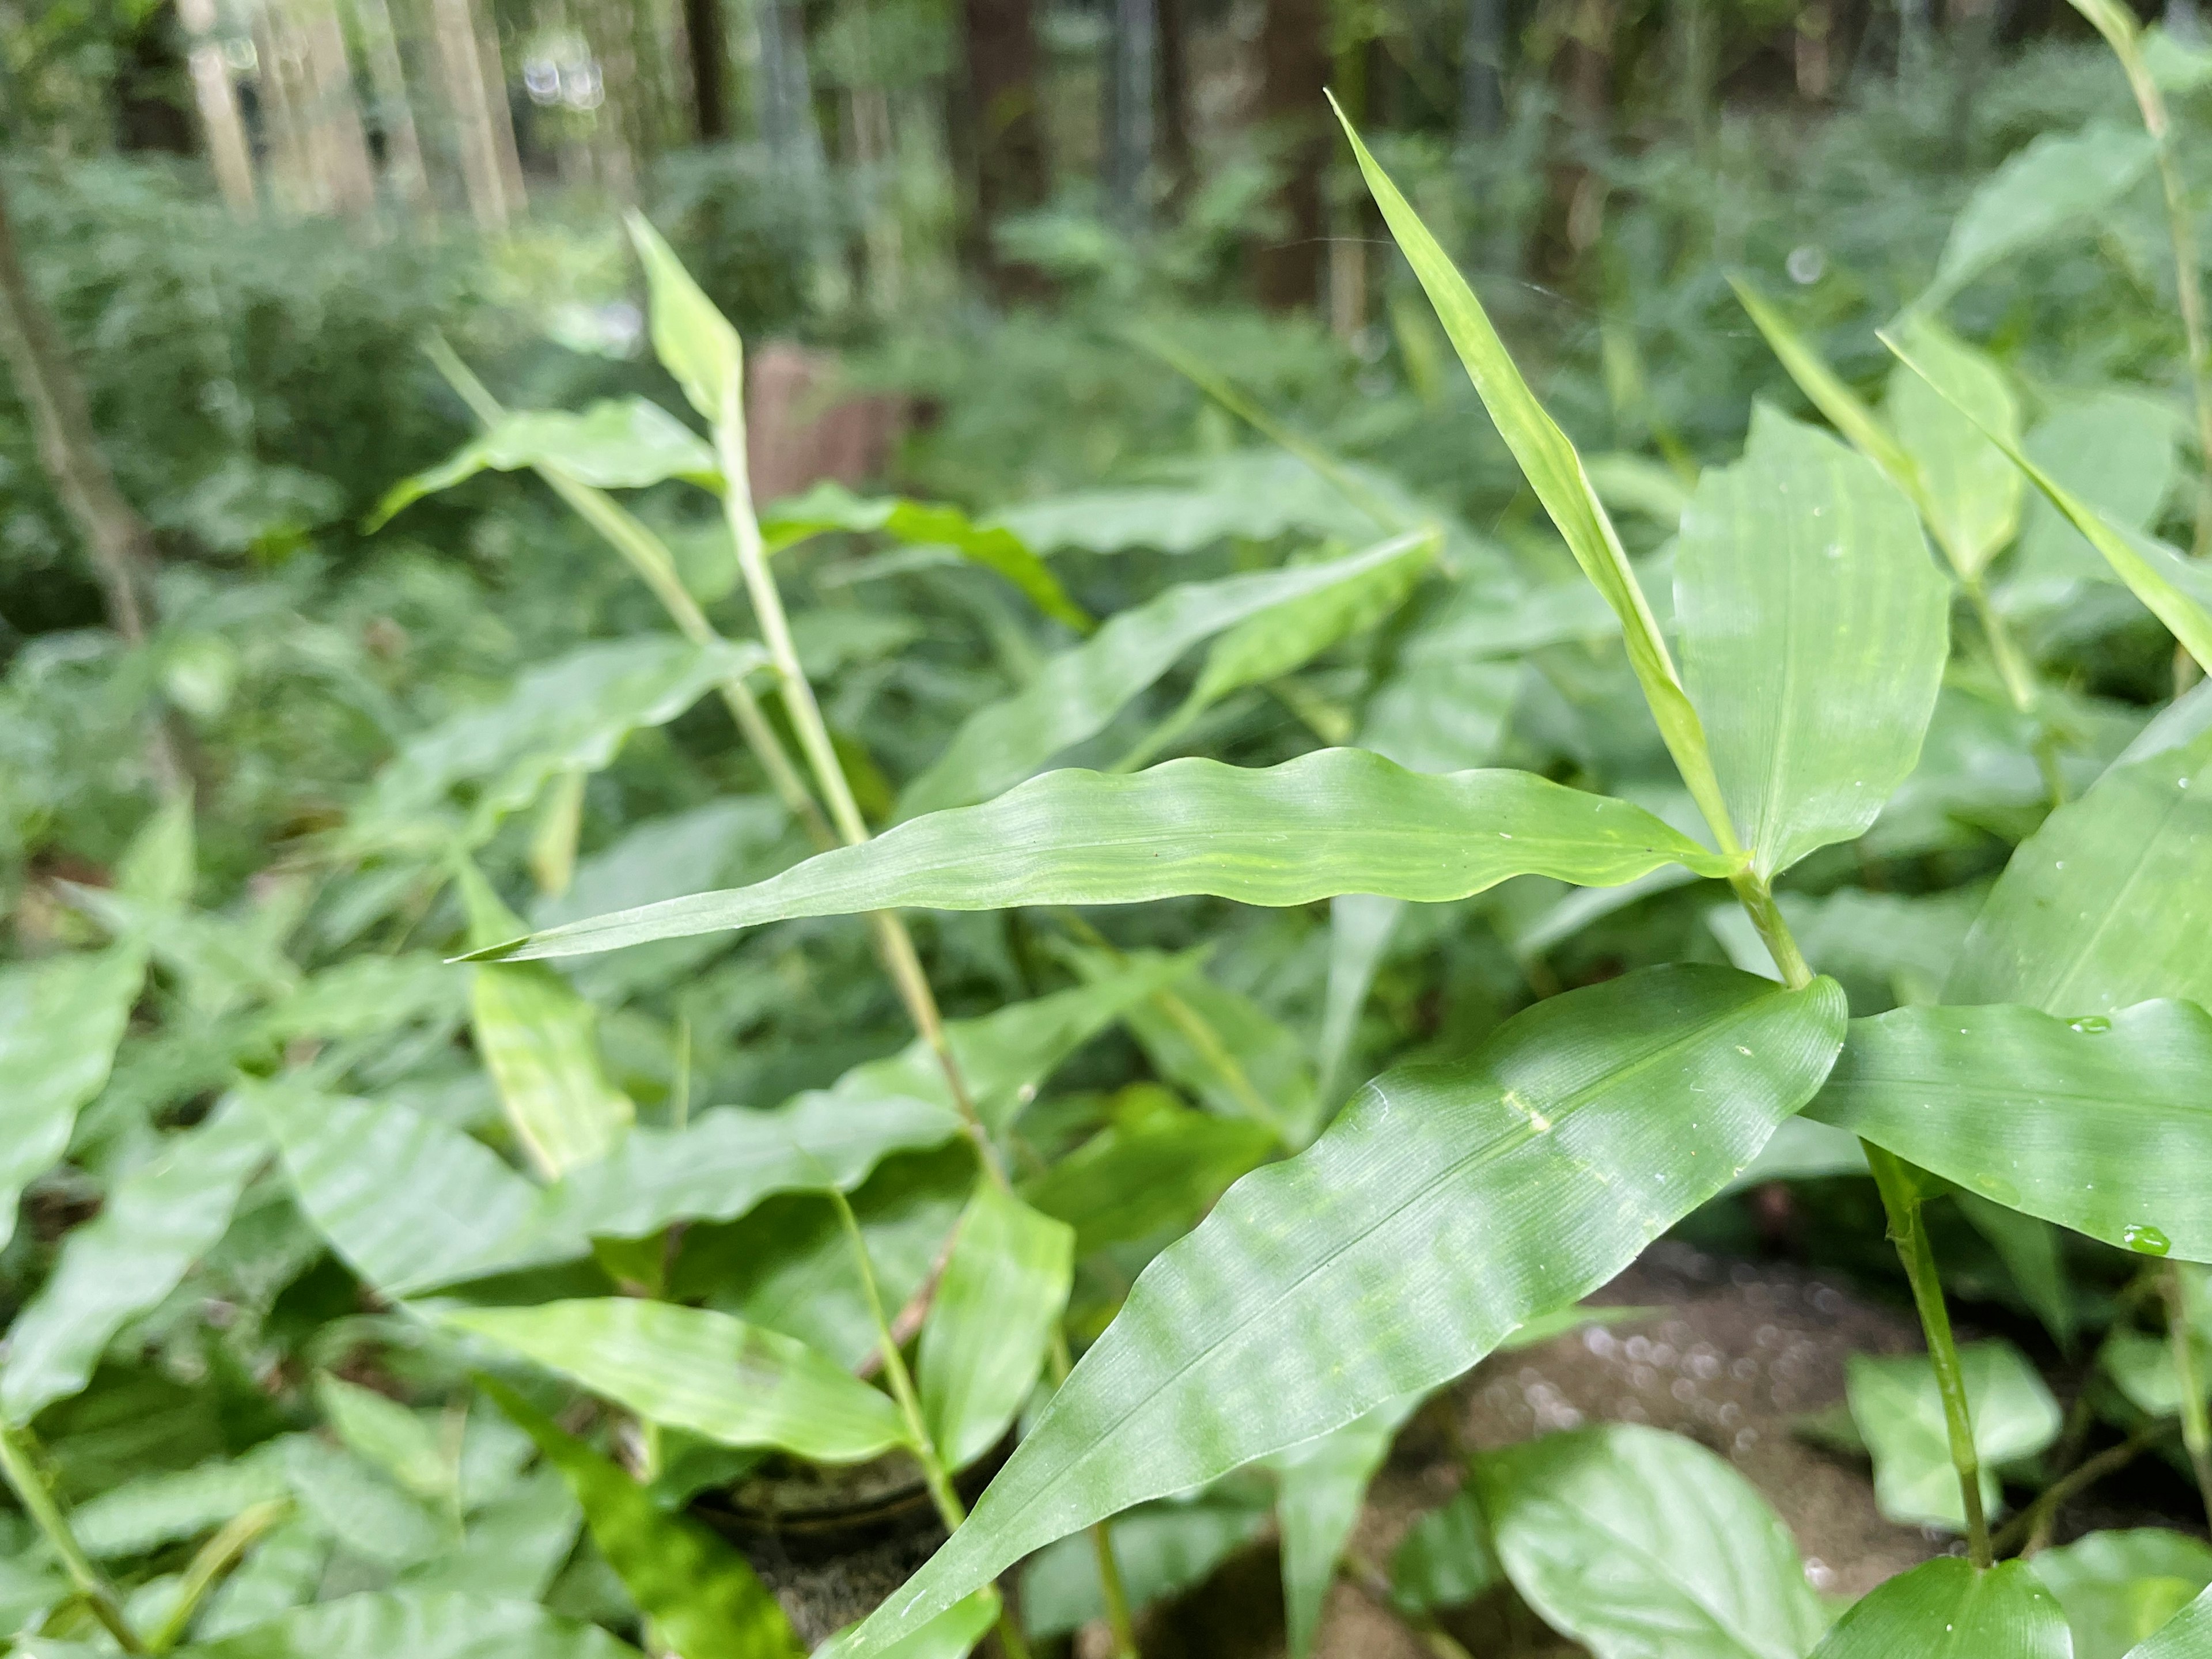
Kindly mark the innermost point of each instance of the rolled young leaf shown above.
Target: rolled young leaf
(1077, 693)
(1336, 821)
(2102, 1123)
(1640, 1543)
(1448, 1205)
(997, 1305)
(1947, 1609)
(703, 1600)
(1812, 626)
(688, 1368)
(158, 1219)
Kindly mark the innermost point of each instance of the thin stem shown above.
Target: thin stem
(2032, 1523)
(2196, 1427)
(1909, 1232)
(1758, 900)
(2012, 663)
(45, 1512)
(212, 1564)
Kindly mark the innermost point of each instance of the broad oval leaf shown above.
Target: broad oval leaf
(1336, 821)
(158, 1220)
(2114, 450)
(1642, 1545)
(1946, 1609)
(1952, 425)
(998, 1302)
(1895, 1403)
(2109, 903)
(444, 1625)
(2055, 181)
(623, 443)
(2119, 1588)
(1812, 626)
(703, 1599)
(1447, 1206)
(1078, 692)
(691, 1369)
(2102, 1124)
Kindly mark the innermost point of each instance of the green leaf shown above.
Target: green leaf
(150, 1510)
(2118, 1587)
(448, 1624)
(60, 1021)
(688, 1368)
(1077, 693)
(1161, 1549)
(157, 1221)
(1254, 495)
(1845, 411)
(1138, 1180)
(1555, 472)
(2187, 1635)
(952, 1634)
(1812, 626)
(2141, 1366)
(2115, 450)
(2101, 1124)
(1336, 821)
(2033, 1253)
(693, 340)
(996, 1309)
(623, 443)
(2174, 589)
(1447, 1206)
(2054, 182)
(1323, 1485)
(349, 1499)
(1225, 1049)
(511, 1548)
(1945, 1609)
(380, 1430)
(283, 1571)
(1900, 1412)
(830, 506)
(703, 1599)
(1642, 1545)
(1446, 1559)
(408, 1201)
(1970, 492)
(2108, 904)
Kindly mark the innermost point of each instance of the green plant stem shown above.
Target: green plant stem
(2012, 663)
(1758, 900)
(1112, 1591)
(2196, 1426)
(45, 1512)
(212, 1564)
(1901, 1200)
(2032, 1523)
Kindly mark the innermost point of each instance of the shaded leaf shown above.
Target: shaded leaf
(997, 1305)
(1642, 1545)
(1337, 821)
(1446, 1559)
(440, 1624)
(616, 443)
(379, 1430)
(1899, 1410)
(705, 1372)
(60, 1021)
(1447, 1206)
(1161, 1549)
(1136, 1181)
(513, 1546)
(1323, 1485)
(1945, 1609)
(2057, 181)
(2118, 1587)
(1970, 492)
(2115, 450)
(2032, 1252)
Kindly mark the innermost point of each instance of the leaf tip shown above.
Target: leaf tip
(505, 950)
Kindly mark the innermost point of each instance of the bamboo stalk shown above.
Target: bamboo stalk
(217, 100)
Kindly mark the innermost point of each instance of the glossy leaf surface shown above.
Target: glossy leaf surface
(997, 1305)
(2101, 1124)
(952, 1634)
(691, 1369)
(1944, 1609)
(1812, 626)
(1899, 1413)
(1447, 1206)
(1643, 1544)
(1337, 821)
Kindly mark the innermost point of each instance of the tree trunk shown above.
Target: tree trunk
(705, 34)
(335, 135)
(121, 547)
(1006, 135)
(481, 177)
(1293, 68)
(1482, 69)
(395, 112)
(228, 152)
(493, 67)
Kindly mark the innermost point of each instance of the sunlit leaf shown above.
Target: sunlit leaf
(1899, 1410)
(1947, 1609)
(1447, 1206)
(2055, 181)
(1812, 626)
(1337, 821)
(997, 1304)
(2101, 1124)
(2118, 1587)
(692, 1369)
(1642, 1545)
(157, 1222)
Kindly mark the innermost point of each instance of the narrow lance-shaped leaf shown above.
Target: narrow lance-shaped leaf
(1138, 1180)
(1077, 693)
(996, 1307)
(537, 1038)
(1448, 1205)
(2102, 1123)
(380, 1430)
(2176, 591)
(952, 1634)
(2058, 180)
(615, 444)
(1812, 626)
(832, 506)
(703, 1600)
(435, 1625)
(159, 1220)
(688, 1368)
(693, 340)
(1336, 821)
(2109, 902)
(1946, 1609)
(1847, 412)
(60, 1021)
(1642, 1545)
(1970, 492)
(1555, 472)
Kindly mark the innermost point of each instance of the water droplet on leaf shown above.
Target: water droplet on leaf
(2145, 1239)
